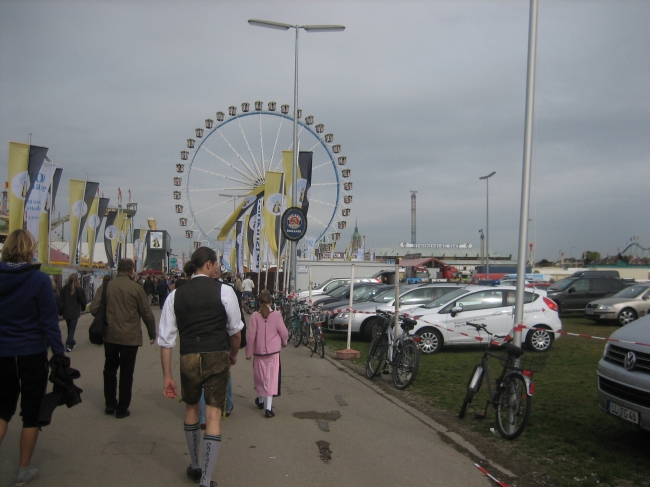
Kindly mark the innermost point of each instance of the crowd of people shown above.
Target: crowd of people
(201, 313)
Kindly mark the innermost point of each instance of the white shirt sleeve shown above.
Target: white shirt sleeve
(167, 327)
(229, 299)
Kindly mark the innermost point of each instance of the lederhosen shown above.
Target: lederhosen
(204, 341)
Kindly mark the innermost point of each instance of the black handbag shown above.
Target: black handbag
(96, 330)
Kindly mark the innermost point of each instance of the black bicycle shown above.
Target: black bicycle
(513, 393)
(402, 354)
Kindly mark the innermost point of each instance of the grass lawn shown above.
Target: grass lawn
(568, 441)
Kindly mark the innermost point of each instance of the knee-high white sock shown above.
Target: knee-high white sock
(192, 438)
(269, 402)
(211, 445)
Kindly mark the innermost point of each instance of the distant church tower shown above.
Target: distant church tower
(356, 241)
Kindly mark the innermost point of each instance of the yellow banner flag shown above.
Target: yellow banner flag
(243, 207)
(18, 183)
(77, 211)
(247, 250)
(287, 163)
(273, 209)
(92, 223)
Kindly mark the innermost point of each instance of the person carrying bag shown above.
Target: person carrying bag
(96, 330)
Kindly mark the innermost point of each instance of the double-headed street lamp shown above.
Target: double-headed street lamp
(487, 223)
(294, 193)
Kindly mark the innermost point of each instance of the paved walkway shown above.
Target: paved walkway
(374, 439)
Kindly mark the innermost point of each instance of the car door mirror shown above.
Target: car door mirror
(455, 310)
(571, 290)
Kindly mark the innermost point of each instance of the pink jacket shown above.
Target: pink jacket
(265, 336)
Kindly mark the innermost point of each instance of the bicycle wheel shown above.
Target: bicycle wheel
(297, 332)
(305, 335)
(376, 356)
(320, 345)
(312, 344)
(406, 365)
(473, 387)
(513, 406)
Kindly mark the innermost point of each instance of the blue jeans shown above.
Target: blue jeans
(72, 326)
(229, 403)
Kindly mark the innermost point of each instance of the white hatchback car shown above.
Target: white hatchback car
(493, 306)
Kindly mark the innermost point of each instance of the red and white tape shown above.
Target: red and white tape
(487, 474)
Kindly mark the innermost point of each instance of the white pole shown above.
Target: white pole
(309, 274)
(396, 298)
(350, 310)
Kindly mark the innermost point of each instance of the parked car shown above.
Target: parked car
(364, 319)
(342, 293)
(624, 375)
(330, 284)
(493, 306)
(574, 293)
(361, 294)
(595, 273)
(624, 307)
(535, 284)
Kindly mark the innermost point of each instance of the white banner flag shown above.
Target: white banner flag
(37, 200)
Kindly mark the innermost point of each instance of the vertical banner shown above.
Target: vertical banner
(311, 242)
(256, 221)
(247, 248)
(77, 210)
(120, 236)
(239, 245)
(44, 219)
(361, 251)
(94, 222)
(287, 164)
(227, 248)
(110, 231)
(35, 204)
(243, 207)
(233, 251)
(36, 158)
(304, 179)
(18, 183)
(90, 191)
(273, 209)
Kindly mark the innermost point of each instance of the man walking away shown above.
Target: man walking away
(126, 303)
(149, 288)
(162, 289)
(248, 285)
(205, 314)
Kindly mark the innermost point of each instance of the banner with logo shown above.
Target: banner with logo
(24, 164)
(120, 238)
(95, 218)
(304, 179)
(243, 207)
(35, 204)
(233, 250)
(77, 210)
(225, 259)
(273, 209)
(311, 243)
(247, 248)
(44, 218)
(110, 232)
(361, 251)
(287, 165)
(239, 245)
(256, 222)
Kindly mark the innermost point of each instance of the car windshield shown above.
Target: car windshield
(631, 292)
(386, 295)
(562, 284)
(339, 291)
(364, 293)
(445, 298)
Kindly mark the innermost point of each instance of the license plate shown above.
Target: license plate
(626, 414)
(589, 311)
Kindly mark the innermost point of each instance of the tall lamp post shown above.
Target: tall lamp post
(487, 223)
(294, 193)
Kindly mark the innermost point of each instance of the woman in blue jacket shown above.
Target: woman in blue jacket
(29, 324)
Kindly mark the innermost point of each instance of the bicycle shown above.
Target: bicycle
(401, 354)
(513, 394)
(250, 304)
(315, 337)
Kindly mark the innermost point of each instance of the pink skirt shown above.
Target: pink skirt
(266, 374)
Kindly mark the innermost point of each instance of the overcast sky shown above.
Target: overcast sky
(425, 96)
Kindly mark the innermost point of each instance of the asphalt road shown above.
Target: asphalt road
(373, 439)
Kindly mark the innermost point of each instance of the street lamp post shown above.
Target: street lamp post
(294, 193)
(487, 223)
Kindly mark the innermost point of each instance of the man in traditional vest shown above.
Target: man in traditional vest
(205, 314)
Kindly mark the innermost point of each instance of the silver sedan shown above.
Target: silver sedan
(625, 306)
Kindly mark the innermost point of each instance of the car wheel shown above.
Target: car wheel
(539, 339)
(370, 329)
(626, 316)
(430, 340)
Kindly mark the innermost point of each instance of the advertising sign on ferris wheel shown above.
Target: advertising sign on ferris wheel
(435, 246)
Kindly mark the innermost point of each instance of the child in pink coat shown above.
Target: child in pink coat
(265, 337)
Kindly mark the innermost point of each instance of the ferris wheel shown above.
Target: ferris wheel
(228, 159)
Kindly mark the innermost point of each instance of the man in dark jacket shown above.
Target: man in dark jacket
(149, 287)
(162, 289)
(126, 303)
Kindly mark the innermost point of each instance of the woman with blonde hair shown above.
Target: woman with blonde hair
(74, 302)
(265, 337)
(29, 323)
